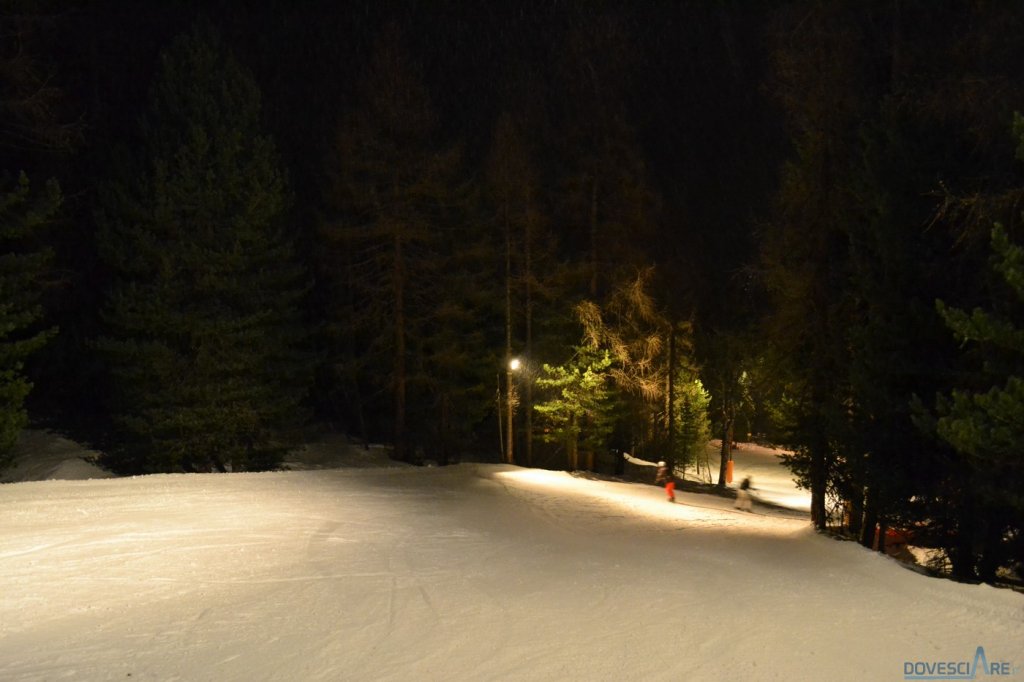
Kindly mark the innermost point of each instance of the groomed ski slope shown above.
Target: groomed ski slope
(471, 572)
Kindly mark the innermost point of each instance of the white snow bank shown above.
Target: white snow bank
(41, 456)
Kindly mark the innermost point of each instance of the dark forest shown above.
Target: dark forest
(536, 232)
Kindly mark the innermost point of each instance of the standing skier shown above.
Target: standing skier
(743, 501)
(665, 476)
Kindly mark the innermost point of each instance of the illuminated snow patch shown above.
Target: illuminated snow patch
(646, 502)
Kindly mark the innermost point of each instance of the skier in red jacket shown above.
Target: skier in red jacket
(666, 477)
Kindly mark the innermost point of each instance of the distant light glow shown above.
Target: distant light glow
(514, 364)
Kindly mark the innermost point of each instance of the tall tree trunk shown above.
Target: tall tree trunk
(355, 397)
(510, 407)
(350, 383)
(573, 446)
(726, 452)
(400, 369)
(896, 47)
(509, 402)
(593, 241)
(443, 456)
(819, 479)
(856, 505)
(501, 416)
(992, 536)
(961, 554)
(670, 412)
(869, 528)
(528, 281)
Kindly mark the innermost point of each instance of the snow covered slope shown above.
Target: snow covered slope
(472, 572)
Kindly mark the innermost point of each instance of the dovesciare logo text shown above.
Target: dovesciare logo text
(958, 670)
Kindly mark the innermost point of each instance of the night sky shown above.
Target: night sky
(690, 77)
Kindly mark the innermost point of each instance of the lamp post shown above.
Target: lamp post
(510, 403)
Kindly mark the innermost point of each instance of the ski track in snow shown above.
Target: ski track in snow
(472, 572)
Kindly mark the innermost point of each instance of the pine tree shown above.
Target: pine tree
(820, 80)
(396, 239)
(577, 412)
(33, 133)
(203, 319)
(452, 343)
(22, 265)
(900, 346)
(691, 413)
(986, 425)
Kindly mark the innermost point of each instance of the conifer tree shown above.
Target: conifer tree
(691, 413)
(203, 318)
(819, 77)
(391, 239)
(578, 406)
(452, 342)
(32, 133)
(986, 423)
(22, 264)
(900, 346)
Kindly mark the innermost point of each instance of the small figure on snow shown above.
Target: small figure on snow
(743, 500)
(666, 477)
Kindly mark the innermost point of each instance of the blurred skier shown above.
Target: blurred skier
(665, 476)
(743, 499)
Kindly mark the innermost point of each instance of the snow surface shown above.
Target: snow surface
(469, 572)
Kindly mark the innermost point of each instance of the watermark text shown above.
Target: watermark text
(958, 670)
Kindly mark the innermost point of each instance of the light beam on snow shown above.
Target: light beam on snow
(646, 502)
